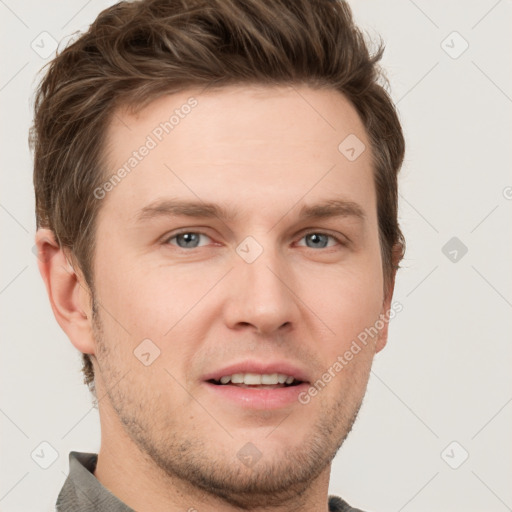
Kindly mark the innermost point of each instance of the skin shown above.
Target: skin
(166, 443)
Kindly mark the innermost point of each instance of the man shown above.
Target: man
(216, 195)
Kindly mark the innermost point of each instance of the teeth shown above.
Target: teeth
(252, 378)
(269, 379)
(256, 379)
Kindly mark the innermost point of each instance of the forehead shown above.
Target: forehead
(244, 146)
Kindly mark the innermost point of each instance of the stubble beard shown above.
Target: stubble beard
(184, 457)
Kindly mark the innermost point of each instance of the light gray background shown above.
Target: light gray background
(445, 374)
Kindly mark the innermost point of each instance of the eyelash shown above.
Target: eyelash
(340, 241)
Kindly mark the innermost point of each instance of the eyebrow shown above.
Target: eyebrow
(198, 209)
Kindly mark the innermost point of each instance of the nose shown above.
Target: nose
(261, 295)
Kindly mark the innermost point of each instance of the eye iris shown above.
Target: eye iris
(190, 239)
(315, 237)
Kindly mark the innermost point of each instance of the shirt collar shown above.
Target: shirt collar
(83, 491)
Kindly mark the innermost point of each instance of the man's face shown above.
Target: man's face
(263, 287)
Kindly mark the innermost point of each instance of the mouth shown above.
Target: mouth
(265, 391)
(257, 381)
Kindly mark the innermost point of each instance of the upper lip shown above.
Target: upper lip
(261, 367)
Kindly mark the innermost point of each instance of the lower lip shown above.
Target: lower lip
(258, 398)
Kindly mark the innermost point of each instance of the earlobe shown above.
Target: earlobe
(67, 291)
(382, 338)
(384, 317)
(397, 254)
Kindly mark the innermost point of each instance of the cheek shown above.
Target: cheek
(351, 286)
(157, 303)
(347, 301)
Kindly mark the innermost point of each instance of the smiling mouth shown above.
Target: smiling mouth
(256, 386)
(259, 391)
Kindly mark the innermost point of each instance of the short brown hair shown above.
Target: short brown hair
(137, 51)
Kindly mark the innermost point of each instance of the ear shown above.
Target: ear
(67, 290)
(397, 254)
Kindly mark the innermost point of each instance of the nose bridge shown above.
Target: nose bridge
(262, 296)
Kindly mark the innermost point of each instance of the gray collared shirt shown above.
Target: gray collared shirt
(82, 491)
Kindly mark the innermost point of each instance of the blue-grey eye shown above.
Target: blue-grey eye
(187, 240)
(319, 240)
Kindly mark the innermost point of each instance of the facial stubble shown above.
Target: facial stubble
(182, 456)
